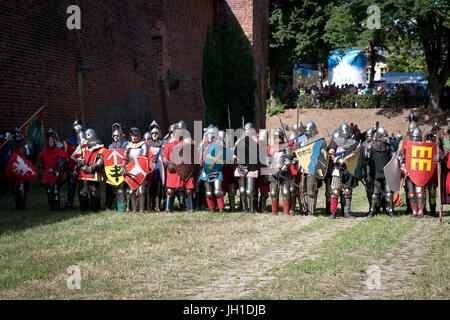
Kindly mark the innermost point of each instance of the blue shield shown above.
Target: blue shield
(215, 158)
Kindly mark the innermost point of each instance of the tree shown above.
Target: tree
(295, 35)
(351, 26)
(427, 23)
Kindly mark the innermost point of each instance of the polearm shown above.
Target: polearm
(438, 137)
(229, 119)
(26, 122)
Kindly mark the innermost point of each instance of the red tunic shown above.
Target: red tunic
(70, 149)
(50, 158)
(173, 180)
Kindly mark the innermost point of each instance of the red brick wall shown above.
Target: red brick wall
(134, 46)
(253, 16)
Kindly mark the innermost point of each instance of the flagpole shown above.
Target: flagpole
(26, 122)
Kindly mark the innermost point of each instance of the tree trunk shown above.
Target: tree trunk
(273, 81)
(436, 91)
(372, 63)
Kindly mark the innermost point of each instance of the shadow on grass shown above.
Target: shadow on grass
(37, 212)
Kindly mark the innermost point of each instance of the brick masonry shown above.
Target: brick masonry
(134, 46)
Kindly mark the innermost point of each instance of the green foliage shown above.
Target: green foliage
(228, 76)
(278, 108)
(357, 101)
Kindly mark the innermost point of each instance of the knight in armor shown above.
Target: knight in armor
(279, 161)
(379, 155)
(5, 154)
(312, 183)
(295, 139)
(342, 181)
(213, 180)
(229, 181)
(432, 185)
(116, 192)
(90, 172)
(263, 177)
(20, 187)
(415, 194)
(366, 145)
(135, 148)
(247, 172)
(175, 185)
(154, 179)
(74, 145)
(51, 165)
(328, 175)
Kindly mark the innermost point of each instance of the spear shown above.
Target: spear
(229, 119)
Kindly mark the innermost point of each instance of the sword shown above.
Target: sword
(365, 186)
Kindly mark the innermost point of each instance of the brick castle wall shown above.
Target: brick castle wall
(135, 48)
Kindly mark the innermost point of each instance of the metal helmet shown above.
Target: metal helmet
(8, 135)
(412, 117)
(135, 132)
(381, 133)
(249, 129)
(147, 136)
(222, 135)
(345, 131)
(298, 128)
(291, 137)
(310, 129)
(369, 134)
(412, 125)
(181, 125)
(210, 134)
(278, 133)
(417, 134)
(435, 128)
(156, 130)
(92, 138)
(172, 128)
(335, 134)
(19, 132)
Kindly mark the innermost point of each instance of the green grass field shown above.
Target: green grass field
(219, 256)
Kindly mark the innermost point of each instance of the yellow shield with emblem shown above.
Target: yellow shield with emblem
(113, 159)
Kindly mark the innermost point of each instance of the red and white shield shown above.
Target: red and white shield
(113, 159)
(420, 163)
(21, 168)
(136, 171)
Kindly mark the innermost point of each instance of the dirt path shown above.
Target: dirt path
(242, 279)
(398, 266)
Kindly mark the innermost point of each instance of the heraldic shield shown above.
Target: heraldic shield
(420, 163)
(21, 168)
(215, 158)
(392, 174)
(136, 171)
(313, 158)
(354, 162)
(183, 157)
(113, 159)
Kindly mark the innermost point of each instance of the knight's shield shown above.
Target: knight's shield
(136, 171)
(183, 157)
(420, 163)
(215, 158)
(392, 174)
(354, 162)
(313, 158)
(112, 159)
(20, 168)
